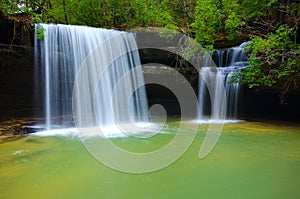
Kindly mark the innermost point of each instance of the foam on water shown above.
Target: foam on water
(140, 130)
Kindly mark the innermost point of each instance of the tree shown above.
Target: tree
(208, 20)
(273, 61)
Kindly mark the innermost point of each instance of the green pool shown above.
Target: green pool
(250, 160)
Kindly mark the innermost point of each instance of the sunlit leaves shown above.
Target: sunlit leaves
(208, 20)
(273, 60)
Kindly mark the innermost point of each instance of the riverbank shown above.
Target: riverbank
(14, 128)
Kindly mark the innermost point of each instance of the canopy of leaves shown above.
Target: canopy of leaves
(273, 61)
(271, 26)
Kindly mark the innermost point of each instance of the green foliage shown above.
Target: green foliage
(14, 7)
(270, 25)
(121, 14)
(208, 19)
(233, 18)
(40, 33)
(273, 61)
(217, 20)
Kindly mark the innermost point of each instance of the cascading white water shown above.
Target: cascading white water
(62, 51)
(229, 62)
(212, 77)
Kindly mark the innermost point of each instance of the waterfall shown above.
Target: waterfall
(229, 62)
(61, 53)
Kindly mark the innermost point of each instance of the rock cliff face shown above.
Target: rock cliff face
(17, 85)
(16, 30)
(266, 103)
(16, 81)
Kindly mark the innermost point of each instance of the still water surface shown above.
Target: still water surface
(251, 160)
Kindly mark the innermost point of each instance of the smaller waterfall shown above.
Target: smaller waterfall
(229, 62)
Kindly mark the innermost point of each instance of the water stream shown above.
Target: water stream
(229, 62)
